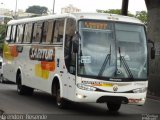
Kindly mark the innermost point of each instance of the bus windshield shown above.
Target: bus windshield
(112, 50)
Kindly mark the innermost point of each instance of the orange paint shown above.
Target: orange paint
(13, 51)
(50, 66)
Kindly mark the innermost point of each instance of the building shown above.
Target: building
(70, 9)
(17, 15)
(22, 14)
(4, 11)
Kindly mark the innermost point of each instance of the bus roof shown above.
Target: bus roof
(78, 16)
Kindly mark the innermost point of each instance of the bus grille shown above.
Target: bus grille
(114, 99)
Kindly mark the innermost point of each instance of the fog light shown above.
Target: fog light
(143, 99)
(80, 96)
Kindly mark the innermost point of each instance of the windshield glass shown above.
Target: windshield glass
(112, 50)
(131, 41)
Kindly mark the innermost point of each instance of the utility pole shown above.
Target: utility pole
(124, 9)
(53, 5)
(15, 14)
(1, 12)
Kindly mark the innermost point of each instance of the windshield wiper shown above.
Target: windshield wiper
(122, 59)
(108, 58)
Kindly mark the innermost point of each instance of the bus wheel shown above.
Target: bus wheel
(113, 107)
(1, 79)
(21, 89)
(61, 103)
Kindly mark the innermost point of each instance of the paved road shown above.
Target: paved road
(43, 103)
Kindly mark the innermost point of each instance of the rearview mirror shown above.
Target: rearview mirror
(152, 52)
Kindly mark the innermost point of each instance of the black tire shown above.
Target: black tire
(21, 89)
(1, 79)
(113, 107)
(61, 103)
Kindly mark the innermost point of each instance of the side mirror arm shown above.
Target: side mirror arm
(152, 49)
(150, 41)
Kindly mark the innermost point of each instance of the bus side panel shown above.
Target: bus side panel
(10, 55)
(38, 71)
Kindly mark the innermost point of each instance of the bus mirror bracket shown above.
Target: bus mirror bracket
(153, 53)
(152, 49)
(75, 42)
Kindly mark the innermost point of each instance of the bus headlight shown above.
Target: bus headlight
(85, 87)
(140, 90)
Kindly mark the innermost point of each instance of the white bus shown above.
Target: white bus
(80, 57)
(4, 19)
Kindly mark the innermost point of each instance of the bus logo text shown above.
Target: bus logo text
(41, 54)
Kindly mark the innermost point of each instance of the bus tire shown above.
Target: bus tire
(21, 89)
(113, 107)
(1, 79)
(61, 103)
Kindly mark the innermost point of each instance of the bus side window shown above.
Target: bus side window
(68, 53)
(27, 33)
(37, 32)
(47, 31)
(19, 36)
(8, 33)
(58, 31)
(13, 33)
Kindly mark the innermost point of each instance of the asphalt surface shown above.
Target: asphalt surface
(42, 106)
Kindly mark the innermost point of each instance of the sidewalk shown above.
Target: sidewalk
(153, 97)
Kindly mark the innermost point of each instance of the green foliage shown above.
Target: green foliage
(1, 47)
(37, 9)
(142, 15)
(2, 35)
(114, 11)
(2, 32)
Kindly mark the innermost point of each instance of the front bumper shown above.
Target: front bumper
(102, 97)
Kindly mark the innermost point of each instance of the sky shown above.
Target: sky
(84, 5)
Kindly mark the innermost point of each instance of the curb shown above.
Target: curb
(1, 112)
(153, 97)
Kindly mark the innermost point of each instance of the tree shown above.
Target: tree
(114, 11)
(153, 30)
(2, 32)
(37, 9)
(2, 36)
(142, 15)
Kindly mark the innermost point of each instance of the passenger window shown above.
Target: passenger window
(8, 33)
(27, 33)
(47, 31)
(19, 36)
(37, 32)
(13, 33)
(58, 31)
